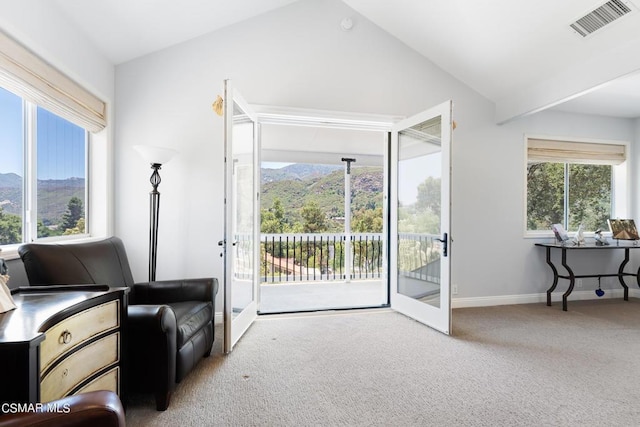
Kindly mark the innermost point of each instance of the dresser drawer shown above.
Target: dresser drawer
(79, 366)
(107, 381)
(73, 331)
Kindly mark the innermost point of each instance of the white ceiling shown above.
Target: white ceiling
(497, 47)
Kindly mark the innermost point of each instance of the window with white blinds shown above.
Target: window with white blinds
(30, 77)
(574, 183)
(45, 122)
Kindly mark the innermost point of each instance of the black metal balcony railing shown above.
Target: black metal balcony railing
(321, 257)
(419, 256)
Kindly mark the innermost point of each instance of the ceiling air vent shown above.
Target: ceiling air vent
(601, 16)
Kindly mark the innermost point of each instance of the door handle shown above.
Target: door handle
(445, 244)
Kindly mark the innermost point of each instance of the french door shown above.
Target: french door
(241, 239)
(420, 253)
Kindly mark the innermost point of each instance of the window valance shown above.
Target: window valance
(546, 150)
(27, 75)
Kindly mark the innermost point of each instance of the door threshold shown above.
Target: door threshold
(324, 312)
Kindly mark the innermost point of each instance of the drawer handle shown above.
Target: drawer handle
(65, 337)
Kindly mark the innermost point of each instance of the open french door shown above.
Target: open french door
(420, 254)
(241, 239)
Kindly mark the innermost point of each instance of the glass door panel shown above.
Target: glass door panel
(240, 285)
(420, 217)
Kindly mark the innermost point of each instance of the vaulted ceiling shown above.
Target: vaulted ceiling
(521, 54)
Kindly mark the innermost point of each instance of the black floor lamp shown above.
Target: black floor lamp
(156, 156)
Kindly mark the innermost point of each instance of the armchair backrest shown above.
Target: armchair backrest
(101, 262)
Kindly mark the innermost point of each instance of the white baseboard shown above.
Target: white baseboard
(519, 299)
(537, 298)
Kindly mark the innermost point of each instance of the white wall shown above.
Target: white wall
(41, 28)
(493, 259)
(298, 57)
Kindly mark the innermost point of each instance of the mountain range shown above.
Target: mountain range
(297, 184)
(297, 171)
(53, 196)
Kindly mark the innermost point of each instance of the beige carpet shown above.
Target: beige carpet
(524, 365)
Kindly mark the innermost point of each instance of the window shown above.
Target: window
(43, 173)
(45, 120)
(573, 183)
(11, 168)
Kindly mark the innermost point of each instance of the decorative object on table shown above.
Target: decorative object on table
(561, 234)
(600, 239)
(599, 291)
(578, 239)
(623, 229)
(156, 156)
(6, 300)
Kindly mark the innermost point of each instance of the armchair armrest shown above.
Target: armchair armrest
(152, 331)
(167, 291)
(97, 408)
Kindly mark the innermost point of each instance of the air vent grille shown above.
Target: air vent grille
(603, 15)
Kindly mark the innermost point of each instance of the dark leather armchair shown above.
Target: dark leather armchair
(169, 323)
(95, 409)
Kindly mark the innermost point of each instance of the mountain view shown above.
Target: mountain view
(54, 196)
(60, 206)
(302, 185)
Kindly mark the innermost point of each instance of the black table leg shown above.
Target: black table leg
(620, 274)
(555, 277)
(572, 280)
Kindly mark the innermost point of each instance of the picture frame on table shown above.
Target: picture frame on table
(623, 229)
(561, 234)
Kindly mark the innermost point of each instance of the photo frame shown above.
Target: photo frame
(560, 233)
(623, 229)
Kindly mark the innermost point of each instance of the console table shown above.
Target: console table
(571, 276)
(62, 340)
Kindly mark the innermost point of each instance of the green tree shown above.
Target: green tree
(589, 198)
(545, 195)
(315, 221)
(10, 228)
(78, 229)
(273, 220)
(44, 231)
(429, 195)
(75, 211)
(367, 221)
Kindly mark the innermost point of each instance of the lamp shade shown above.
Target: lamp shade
(152, 154)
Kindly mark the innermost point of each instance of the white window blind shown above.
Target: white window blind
(27, 75)
(546, 150)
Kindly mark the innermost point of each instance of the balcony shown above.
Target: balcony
(300, 272)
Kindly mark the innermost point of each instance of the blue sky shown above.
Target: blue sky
(10, 133)
(56, 160)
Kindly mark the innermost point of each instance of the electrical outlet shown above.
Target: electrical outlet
(454, 289)
(579, 283)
